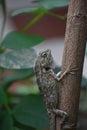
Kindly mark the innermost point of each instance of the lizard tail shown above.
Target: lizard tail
(52, 122)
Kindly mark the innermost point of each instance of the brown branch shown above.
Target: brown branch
(74, 49)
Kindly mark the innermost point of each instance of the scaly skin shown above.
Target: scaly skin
(47, 81)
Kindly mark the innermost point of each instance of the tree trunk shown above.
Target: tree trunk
(74, 50)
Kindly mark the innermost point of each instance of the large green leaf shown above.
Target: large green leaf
(18, 59)
(50, 4)
(31, 112)
(18, 75)
(3, 97)
(7, 122)
(23, 127)
(19, 40)
(46, 4)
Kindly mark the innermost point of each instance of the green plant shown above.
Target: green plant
(25, 112)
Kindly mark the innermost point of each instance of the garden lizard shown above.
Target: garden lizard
(47, 81)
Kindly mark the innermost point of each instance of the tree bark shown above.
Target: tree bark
(74, 50)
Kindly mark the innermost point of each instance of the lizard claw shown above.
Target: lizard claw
(69, 70)
(68, 127)
(65, 115)
(73, 70)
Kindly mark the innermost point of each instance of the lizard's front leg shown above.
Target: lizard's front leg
(69, 70)
(59, 76)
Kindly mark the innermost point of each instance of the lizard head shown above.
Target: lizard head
(46, 59)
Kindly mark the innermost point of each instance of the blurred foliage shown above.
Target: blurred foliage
(24, 109)
(83, 101)
(44, 7)
(20, 40)
(86, 49)
(31, 112)
(50, 4)
(28, 112)
(16, 59)
(3, 5)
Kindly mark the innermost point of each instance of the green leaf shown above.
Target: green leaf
(1, 115)
(86, 50)
(18, 59)
(83, 101)
(25, 89)
(23, 127)
(7, 122)
(29, 10)
(50, 4)
(3, 97)
(18, 75)
(19, 40)
(31, 112)
(84, 82)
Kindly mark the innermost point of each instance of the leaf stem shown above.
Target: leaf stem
(36, 19)
(63, 17)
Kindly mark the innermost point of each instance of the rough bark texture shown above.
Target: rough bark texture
(74, 49)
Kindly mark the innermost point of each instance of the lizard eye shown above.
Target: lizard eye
(44, 55)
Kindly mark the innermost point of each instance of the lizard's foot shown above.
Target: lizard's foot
(60, 113)
(72, 70)
(69, 70)
(68, 127)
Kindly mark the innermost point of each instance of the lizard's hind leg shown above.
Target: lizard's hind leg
(65, 116)
(60, 113)
(52, 119)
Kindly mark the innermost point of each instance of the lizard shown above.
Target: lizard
(47, 81)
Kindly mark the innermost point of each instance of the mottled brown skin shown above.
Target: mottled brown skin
(47, 81)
